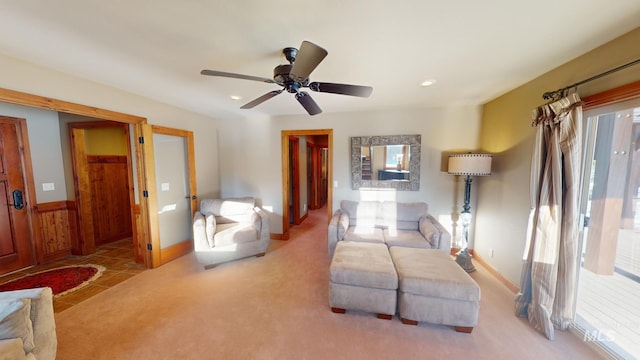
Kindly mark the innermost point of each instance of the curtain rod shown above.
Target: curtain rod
(562, 91)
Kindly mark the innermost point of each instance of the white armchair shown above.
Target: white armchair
(27, 325)
(229, 229)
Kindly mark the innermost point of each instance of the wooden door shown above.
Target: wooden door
(15, 227)
(294, 180)
(110, 201)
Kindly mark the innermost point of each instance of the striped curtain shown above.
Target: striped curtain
(548, 283)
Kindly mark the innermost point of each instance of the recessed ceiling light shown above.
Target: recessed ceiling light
(428, 82)
(236, 97)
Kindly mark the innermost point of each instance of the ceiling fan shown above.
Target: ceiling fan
(295, 75)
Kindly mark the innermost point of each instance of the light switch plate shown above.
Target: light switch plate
(48, 186)
(165, 186)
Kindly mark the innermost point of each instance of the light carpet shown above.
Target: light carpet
(276, 307)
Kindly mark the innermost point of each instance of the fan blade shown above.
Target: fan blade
(236, 76)
(261, 99)
(343, 89)
(307, 103)
(308, 58)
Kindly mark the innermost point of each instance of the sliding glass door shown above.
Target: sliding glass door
(607, 310)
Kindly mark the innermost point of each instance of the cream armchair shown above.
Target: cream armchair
(27, 325)
(229, 229)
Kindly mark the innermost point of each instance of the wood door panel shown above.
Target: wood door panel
(109, 198)
(7, 245)
(15, 239)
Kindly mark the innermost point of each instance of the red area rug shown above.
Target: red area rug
(61, 280)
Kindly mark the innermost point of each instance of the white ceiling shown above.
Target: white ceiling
(476, 50)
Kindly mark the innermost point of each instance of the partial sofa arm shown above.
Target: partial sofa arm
(261, 220)
(438, 235)
(12, 349)
(42, 316)
(337, 226)
(204, 227)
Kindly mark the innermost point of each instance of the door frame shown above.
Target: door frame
(86, 237)
(294, 178)
(285, 134)
(311, 176)
(158, 255)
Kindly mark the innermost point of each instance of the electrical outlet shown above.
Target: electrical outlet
(491, 253)
(304, 207)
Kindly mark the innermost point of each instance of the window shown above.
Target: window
(396, 157)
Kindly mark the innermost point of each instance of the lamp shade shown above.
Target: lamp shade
(470, 164)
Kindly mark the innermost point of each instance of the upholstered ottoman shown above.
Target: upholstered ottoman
(363, 278)
(434, 289)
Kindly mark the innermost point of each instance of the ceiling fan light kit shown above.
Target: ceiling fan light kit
(295, 76)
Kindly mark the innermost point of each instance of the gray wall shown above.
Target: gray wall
(46, 152)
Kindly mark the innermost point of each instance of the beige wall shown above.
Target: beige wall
(503, 200)
(252, 149)
(106, 141)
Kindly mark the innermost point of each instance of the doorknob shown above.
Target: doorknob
(18, 201)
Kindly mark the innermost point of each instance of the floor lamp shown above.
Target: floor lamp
(468, 165)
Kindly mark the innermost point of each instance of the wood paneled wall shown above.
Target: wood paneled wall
(58, 228)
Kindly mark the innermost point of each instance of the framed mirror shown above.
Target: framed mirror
(386, 162)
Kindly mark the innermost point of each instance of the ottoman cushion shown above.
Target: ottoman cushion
(432, 273)
(405, 238)
(363, 264)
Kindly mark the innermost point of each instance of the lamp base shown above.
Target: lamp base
(463, 258)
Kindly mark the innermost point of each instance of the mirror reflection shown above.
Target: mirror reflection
(386, 162)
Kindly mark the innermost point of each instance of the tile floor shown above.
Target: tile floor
(117, 257)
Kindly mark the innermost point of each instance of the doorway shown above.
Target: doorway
(103, 183)
(287, 186)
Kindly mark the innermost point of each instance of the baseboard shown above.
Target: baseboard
(503, 280)
(175, 251)
(276, 236)
(506, 282)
